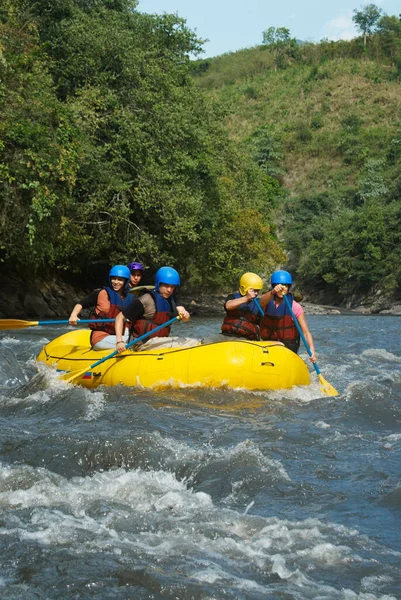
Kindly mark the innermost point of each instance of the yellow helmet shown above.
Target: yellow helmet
(249, 280)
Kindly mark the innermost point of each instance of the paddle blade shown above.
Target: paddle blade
(140, 288)
(16, 324)
(326, 388)
(70, 377)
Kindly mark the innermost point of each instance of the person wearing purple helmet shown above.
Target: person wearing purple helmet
(107, 303)
(277, 322)
(136, 272)
(151, 309)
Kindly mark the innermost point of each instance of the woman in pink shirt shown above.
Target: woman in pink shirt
(277, 322)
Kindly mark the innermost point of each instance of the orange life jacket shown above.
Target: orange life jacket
(165, 310)
(242, 321)
(278, 324)
(116, 304)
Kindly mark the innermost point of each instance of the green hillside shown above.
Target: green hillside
(328, 126)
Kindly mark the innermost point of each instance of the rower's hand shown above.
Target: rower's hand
(73, 320)
(120, 346)
(278, 289)
(251, 294)
(313, 357)
(183, 314)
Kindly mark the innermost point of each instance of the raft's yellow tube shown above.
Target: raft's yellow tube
(232, 363)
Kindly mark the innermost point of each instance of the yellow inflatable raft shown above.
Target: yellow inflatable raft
(232, 363)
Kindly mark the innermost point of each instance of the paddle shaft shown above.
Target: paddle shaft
(262, 312)
(65, 322)
(20, 324)
(301, 333)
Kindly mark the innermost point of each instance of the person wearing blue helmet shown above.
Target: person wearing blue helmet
(277, 323)
(107, 303)
(151, 309)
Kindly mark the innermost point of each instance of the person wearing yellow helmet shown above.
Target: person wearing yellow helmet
(242, 314)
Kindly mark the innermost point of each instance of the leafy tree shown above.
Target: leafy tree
(366, 19)
(389, 31)
(266, 148)
(109, 150)
(38, 152)
(282, 45)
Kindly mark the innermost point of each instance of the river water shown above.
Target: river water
(204, 494)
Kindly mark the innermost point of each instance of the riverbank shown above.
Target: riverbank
(55, 299)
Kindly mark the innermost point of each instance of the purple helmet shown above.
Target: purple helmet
(135, 266)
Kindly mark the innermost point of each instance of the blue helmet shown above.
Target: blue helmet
(119, 271)
(166, 275)
(282, 277)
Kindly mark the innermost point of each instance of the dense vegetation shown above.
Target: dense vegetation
(109, 152)
(325, 120)
(115, 145)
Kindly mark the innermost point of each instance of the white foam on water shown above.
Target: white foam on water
(180, 450)
(322, 425)
(213, 574)
(390, 442)
(329, 554)
(382, 354)
(346, 594)
(52, 376)
(136, 489)
(302, 394)
(95, 404)
(10, 341)
(134, 503)
(41, 397)
(243, 450)
(266, 464)
(279, 567)
(210, 575)
(393, 437)
(373, 583)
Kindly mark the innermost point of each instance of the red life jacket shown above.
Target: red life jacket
(165, 310)
(116, 304)
(278, 324)
(242, 321)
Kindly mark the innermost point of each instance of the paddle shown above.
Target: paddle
(325, 387)
(141, 288)
(256, 300)
(77, 374)
(19, 324)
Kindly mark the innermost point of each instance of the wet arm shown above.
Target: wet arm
(119, 323)
(234, 303)
(308, 336)
(73, 318)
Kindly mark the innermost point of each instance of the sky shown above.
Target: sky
(230, 25)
